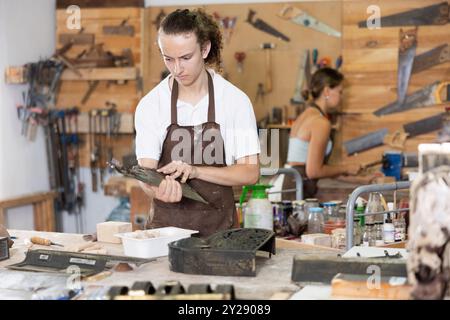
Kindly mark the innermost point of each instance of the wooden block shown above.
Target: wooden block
(320, 268)
(107, 230)
(362, 287)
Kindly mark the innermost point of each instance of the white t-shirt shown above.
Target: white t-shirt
(234, 113)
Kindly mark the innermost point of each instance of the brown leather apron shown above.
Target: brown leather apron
(220, 212)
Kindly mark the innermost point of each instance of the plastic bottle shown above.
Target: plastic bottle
(367, 235)
(360, 210)
(258, 212)
(357, 232)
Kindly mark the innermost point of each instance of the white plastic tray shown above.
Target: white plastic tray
(153, 247)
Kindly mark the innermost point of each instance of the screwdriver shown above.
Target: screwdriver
(44, 242)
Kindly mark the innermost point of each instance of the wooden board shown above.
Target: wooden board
(286, 56)
(370, 68)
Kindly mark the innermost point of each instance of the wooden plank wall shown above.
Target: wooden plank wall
(125, 96)
(285, 57)
(371, 74)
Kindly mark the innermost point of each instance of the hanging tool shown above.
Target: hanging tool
(315, 56)
(227, 24)
(159, 18)
(427, 96)
(406, 54)
(366, 141)
(260, 93)
(437, 14)
(431, 58)
(93, 147)
(122, 29)
(303, 79)
(154, 178)
(264, 26)
(424, 125)
(325, 62)
(300, 17)
(92, 86)
(44, 242)
(338, 63)
(240, 57)
(267, 47)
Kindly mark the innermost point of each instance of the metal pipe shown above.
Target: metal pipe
(298, 178)
(349, 214)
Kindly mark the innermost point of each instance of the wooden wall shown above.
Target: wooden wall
(285, 57)
(371, 74)
(125, 96)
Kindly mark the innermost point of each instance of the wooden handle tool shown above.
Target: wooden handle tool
(44, 242)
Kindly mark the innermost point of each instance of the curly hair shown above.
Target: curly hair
(324, 77)
(203, 25)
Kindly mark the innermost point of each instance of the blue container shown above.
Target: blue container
(392, 164)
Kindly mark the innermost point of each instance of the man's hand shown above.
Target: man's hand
(169, 190)
(178, 168)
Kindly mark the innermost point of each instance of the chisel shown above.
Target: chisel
(44, 242)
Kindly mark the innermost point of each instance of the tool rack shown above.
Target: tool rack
(366, 189)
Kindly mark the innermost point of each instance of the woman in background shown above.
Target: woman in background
(310, 144)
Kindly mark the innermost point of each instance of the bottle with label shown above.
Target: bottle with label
(402, 227)
(258, 212)
(360, 208)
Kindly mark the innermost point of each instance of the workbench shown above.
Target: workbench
(273, 279)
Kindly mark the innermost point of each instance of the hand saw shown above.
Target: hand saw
(302, 18)
(264, 26)
(304, 75)
(406, 54)
(424, 125)
(437, 14)
(425, 97)
(435, 56)
(367, 141)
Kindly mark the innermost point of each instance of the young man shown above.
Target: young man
(196, 128)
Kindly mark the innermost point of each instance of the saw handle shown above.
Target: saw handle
(439, 88)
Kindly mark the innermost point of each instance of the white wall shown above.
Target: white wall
(27, 33)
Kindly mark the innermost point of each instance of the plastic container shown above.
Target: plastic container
(152, 247)
(259, 211)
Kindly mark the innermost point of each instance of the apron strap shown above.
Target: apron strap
(211, 103)
(173, 102)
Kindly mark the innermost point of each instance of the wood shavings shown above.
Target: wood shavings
(145, 234)
(89, 247)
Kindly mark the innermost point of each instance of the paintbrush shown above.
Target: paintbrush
(153, 178)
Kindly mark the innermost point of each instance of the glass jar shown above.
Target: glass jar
(311, 203)
(300, 216)
(315, 220)
(330, 211)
